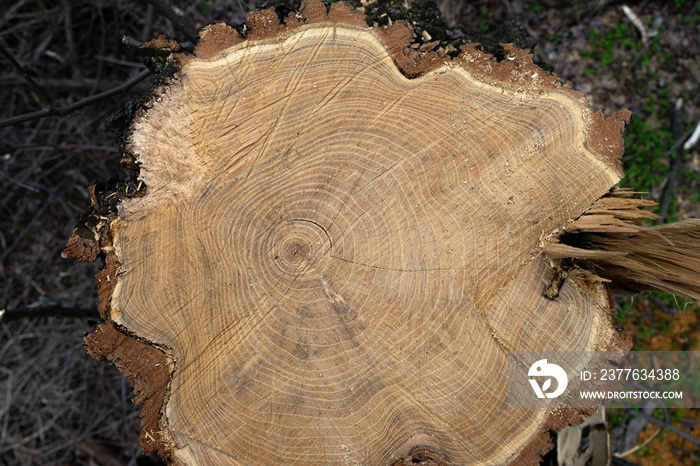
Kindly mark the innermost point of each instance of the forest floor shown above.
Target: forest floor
(58, 406)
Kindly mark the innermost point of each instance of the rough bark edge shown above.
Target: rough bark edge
(607, 244)
(85, 243)
(516, 73)
(149, 367)
(558, 419)
(90, 237)
(81, 249)
(266, 25)
(162, 43)
(214, 38)
(520, 75)
(542, 442)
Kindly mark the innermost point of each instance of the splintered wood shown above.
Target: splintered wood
(341, 239)
(631, 257)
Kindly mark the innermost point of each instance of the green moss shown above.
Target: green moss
(534, 7)
(203, 6)
(615, 416)
(649, 137)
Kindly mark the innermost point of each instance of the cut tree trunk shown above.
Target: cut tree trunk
(335, 239)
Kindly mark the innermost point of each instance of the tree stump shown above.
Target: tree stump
(335, 239)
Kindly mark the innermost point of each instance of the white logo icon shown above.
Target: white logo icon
(542, 368)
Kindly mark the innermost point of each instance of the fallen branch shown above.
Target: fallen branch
(7, 315)
(63, 111)
(638, 23)
(131, 42)
(637, 447)
(26, 77)
(670, 427)
(693, 139)
(59, 84)
(676, 163)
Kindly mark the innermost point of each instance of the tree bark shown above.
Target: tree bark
(341, 238)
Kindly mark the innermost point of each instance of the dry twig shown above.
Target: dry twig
(164, 9)
(62, 111)
(26, 76)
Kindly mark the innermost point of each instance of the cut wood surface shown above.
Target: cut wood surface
(341, 239)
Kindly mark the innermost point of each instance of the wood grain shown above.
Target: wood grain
(342, 238)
